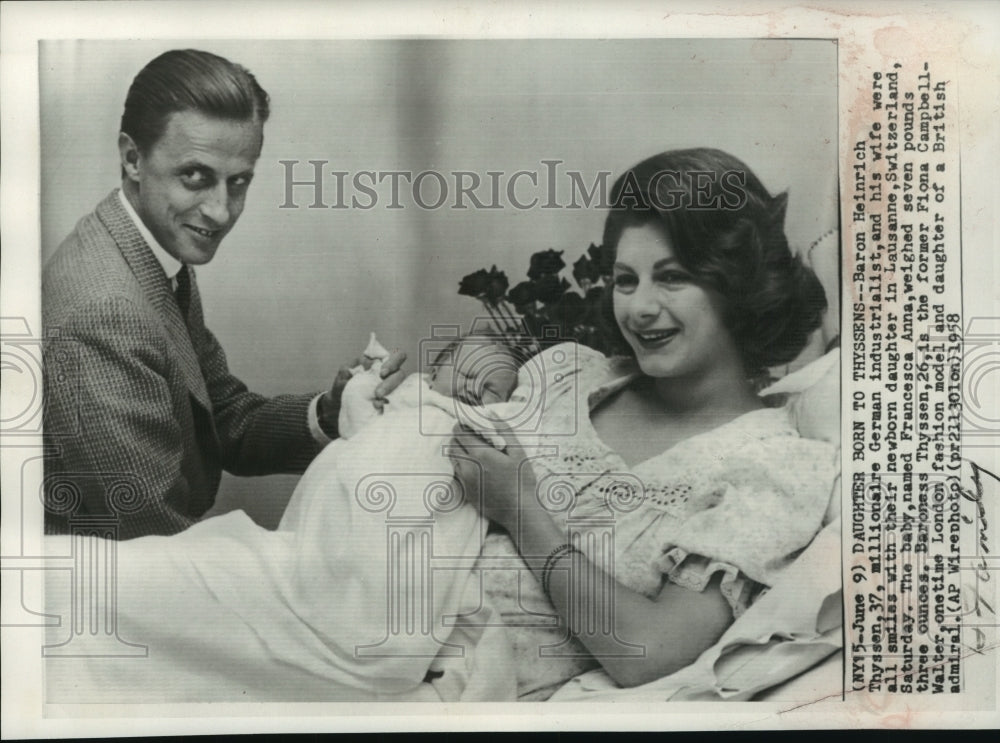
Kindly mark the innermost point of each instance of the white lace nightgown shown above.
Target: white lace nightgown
(742, 500)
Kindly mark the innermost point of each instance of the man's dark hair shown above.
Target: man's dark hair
(189, 80)
(728, 231)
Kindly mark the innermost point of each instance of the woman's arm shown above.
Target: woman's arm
(674, 628)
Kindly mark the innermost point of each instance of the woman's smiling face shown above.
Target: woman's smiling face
(673, 323)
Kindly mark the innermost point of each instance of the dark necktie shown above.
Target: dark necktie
(183, 291)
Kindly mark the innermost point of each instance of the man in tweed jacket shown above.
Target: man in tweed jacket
(141, 411)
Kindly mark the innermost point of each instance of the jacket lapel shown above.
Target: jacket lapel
(156, 286)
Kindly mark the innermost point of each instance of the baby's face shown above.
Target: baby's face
(479, 371)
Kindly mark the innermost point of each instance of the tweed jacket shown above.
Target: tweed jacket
(141, 413)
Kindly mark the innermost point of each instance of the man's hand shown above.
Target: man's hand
(391, 373)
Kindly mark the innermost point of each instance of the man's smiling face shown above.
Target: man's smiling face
(190, 186)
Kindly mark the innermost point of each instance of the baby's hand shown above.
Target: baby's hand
(356, 408)
(376, 374)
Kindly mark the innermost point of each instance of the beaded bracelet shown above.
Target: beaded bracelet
(550, 563)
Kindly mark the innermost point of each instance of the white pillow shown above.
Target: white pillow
(814, 402)
(814, 397)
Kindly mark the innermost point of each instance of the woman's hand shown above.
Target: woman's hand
(499, 483)
(651, 626)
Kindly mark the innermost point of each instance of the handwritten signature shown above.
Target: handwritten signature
(975, 495)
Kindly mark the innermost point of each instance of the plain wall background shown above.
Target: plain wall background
(294, 293)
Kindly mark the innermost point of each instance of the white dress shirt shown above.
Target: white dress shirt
(171, 266)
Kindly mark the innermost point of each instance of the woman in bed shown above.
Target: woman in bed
(710, 494)
(720, 492)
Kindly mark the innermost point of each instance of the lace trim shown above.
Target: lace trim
(581, 461)
(695, 572)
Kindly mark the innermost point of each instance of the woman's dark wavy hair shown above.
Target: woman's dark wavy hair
(728, 232)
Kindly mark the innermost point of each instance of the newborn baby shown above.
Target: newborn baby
(476, 370)
(379, 501)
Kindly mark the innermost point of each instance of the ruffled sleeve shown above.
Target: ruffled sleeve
(696, 572)
(741, 503)
(769, 503)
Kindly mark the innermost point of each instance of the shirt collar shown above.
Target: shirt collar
(171, 266)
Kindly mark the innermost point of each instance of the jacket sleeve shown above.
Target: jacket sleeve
(110, 420)
(258, 435)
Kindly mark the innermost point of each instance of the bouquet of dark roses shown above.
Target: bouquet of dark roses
(546, 309)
